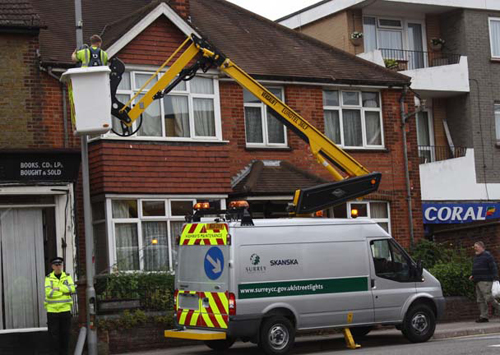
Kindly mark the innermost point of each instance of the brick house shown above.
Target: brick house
(459, 132)
(39, 164)
(210, 140)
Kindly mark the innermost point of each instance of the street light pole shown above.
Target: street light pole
(89, 235)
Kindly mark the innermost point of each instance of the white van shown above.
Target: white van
(263, 282)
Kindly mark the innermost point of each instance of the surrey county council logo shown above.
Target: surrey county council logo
(255, 260)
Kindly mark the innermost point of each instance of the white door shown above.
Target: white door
(22, 269)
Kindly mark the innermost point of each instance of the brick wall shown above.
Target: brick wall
(124, 167)
(432, 28)
(153, 45)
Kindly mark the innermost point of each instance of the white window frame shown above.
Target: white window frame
(191, 96)
(430, 123)
(360, 107)
(490, 20)
(497, 121)
(403, 28)
(263, 112)
(168, 218)
(368, 209)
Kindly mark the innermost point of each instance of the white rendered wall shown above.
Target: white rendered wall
(455, 180)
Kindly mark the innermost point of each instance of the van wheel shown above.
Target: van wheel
(277, 335)
(419, 324)
(220, 345)
(359, 332)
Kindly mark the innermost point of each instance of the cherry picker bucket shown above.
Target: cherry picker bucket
(90, 99)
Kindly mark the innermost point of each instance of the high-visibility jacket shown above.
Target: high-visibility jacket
(57, 301)
(85, 57)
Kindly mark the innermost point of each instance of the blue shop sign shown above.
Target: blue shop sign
(441, 213)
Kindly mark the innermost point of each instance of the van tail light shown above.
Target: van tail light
(176, 292)
(232, 304)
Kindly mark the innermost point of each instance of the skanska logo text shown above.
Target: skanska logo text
(284, 262)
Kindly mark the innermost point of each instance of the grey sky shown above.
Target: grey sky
(274, 9)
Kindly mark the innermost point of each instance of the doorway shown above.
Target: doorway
(23, 241)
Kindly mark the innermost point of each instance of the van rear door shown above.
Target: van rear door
(202, 276)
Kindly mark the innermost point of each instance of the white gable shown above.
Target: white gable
(161, 9)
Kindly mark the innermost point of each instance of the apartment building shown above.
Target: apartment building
(451, 51)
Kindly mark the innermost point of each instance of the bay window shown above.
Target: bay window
(353, 118)
(191, 111)
(144, 232)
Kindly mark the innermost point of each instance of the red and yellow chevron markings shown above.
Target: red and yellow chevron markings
(204, 234)
(212, 312)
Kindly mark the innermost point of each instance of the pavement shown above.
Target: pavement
(443, 331)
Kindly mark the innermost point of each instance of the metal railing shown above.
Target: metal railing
(401, 59)
(431, 153)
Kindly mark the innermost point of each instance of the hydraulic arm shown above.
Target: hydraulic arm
(359, 181)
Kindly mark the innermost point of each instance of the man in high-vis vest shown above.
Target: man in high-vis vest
(59, 287)
(91, 56)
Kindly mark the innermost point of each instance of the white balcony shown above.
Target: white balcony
(433, 74)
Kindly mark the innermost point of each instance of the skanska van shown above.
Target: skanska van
(266, 281)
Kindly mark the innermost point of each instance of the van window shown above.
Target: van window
(390, 261)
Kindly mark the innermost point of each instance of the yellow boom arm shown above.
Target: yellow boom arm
(333, 158)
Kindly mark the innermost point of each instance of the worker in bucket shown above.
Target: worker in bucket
(59, 287)
(91, 56)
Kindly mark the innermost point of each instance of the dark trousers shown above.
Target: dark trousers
(59, 325)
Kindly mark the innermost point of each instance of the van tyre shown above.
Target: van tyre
(419, 323)
(220, 345)
(277, 335)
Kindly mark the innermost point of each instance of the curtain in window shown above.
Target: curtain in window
(275, 129)
(155, 255)
(352, 128)
(202, 86)
(392, 44)
(127, 246)
(416, 45)
(204, 117)
(495, 37)
(373, 129)
(369, 34)
(332, 126)
(176, 116)
(175, 230)
(253, 125)
(497, 120)
(151, 120)
(378, 210)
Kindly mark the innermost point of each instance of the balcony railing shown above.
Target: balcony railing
(430, 153)
(400, 59)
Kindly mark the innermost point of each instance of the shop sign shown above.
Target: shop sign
(442, 213)
(26, 167)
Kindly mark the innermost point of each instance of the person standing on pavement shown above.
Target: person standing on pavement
(484, 272)
(59, 287)
(91, 56)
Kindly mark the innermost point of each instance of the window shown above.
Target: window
(390, 261)
(497, 121)
(144, 232)
(189, 112)
(495, 37)
(353, 118)
(378, 211)
(424, 137)
(262, 128)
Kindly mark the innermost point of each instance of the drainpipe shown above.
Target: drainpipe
(404, 117)
(65, 115)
